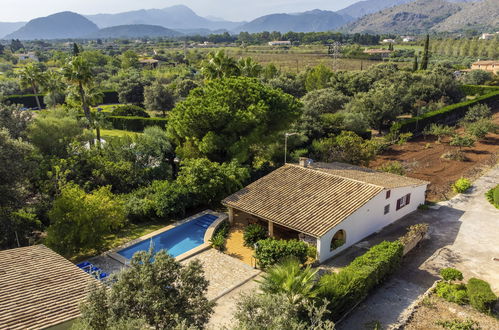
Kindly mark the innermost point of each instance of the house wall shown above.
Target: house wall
(370, 218)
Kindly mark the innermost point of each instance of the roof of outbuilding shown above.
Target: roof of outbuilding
(39, 288)
(315, 199)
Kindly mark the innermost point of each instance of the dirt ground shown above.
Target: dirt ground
(422, 159)
(434, 309)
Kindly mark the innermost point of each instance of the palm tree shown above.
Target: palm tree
(249, 68)
(219, 65)
(54, 88)
(290, 279)
(78, 73)
(31, 77)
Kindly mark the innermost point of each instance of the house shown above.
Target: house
(149, 62)
(280, 43)
(27, 56)
(40, 289)
(388, 41)
(487, 36)
(490, 66)
(378, 52)
(330, 205)
(408, 39)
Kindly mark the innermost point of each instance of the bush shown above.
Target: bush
(459, 325)
(473, 90)
(451, 274)
(461, 185)
(130, 111)
(271, 251)
(220, 236)
(455, 293)
(353, 283)
(254, 233)
(481, 296)
(493, 196)
(393, 167)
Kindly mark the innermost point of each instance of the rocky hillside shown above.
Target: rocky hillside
(134, 31)
(482, 15)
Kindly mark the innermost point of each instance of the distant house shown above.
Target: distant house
(408, 39)
(40, 289)
(378, 52)
(27, 56)
(149, 62)
(388, 41)
(330, 205)
(489, 66)
(488, 36)
(280, 43)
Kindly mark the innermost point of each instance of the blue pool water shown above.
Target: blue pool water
(175, 241)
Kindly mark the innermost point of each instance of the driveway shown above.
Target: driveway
(464, 233)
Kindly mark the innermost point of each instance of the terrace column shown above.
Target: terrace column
(231, 215)
(271, 229)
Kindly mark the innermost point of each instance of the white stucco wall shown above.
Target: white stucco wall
(370, 218)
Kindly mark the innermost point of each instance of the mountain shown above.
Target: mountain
(310, 21)
(366, 7)
(176, 17)
(7, 27)
(64, 25)
(426, 15)
(134, 31)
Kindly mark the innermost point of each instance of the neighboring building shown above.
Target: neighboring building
(408, 39)
(331, 205)
(378, 52)
(487, 36)
(388, 41)
(490, 66)
(280, 43)
(150, 62)
(39, 289)
(27, 56)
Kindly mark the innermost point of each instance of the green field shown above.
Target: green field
(110, 133)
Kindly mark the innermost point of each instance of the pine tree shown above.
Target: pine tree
(76, 49)
(426, 53)
(415, 63)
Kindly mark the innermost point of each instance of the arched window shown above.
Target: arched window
(339, 239)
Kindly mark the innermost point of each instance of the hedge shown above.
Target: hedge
(472, 90)
(29, 100)
(448, 115)
(271, 251)
(353, 283)
(481, 295)
(135, 124)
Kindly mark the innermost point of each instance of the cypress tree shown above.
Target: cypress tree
(424, 61)
(76, 49)
(415, 63)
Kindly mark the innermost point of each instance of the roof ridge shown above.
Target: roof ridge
(337, 176)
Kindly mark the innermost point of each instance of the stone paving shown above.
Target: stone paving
(224, 272)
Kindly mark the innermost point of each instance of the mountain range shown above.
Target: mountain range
(369, 16)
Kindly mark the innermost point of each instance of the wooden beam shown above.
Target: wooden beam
(271, 229)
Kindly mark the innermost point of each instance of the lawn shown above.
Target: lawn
(112, 133)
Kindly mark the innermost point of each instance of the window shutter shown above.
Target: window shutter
(398, 204)
(407, 199)
(388, 193)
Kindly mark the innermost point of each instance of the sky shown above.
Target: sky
(236, 10)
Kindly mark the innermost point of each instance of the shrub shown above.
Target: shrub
(135, 124)
(451, 274)
(480, 294)
(458, 324)
(220, 236)
(254, 233)
(493, 196)
(271, 251)
(455, 293)
(130, 111)
(393, 167)
(352, 284)
(461, 185)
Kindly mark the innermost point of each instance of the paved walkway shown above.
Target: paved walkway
(464, 234)
(223, 272)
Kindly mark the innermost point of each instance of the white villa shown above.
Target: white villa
(280, 43)
(330, 205)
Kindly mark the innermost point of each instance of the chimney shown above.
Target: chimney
(304, 161)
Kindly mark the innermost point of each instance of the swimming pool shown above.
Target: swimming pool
(177, 240)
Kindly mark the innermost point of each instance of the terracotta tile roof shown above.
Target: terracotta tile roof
(382, 179)
(39, 288)
(303, 199)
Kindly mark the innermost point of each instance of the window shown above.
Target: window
(405, 200)
(387, 209)
(388, 193)
(338, 240)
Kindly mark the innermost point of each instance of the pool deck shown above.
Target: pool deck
(206, 245)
